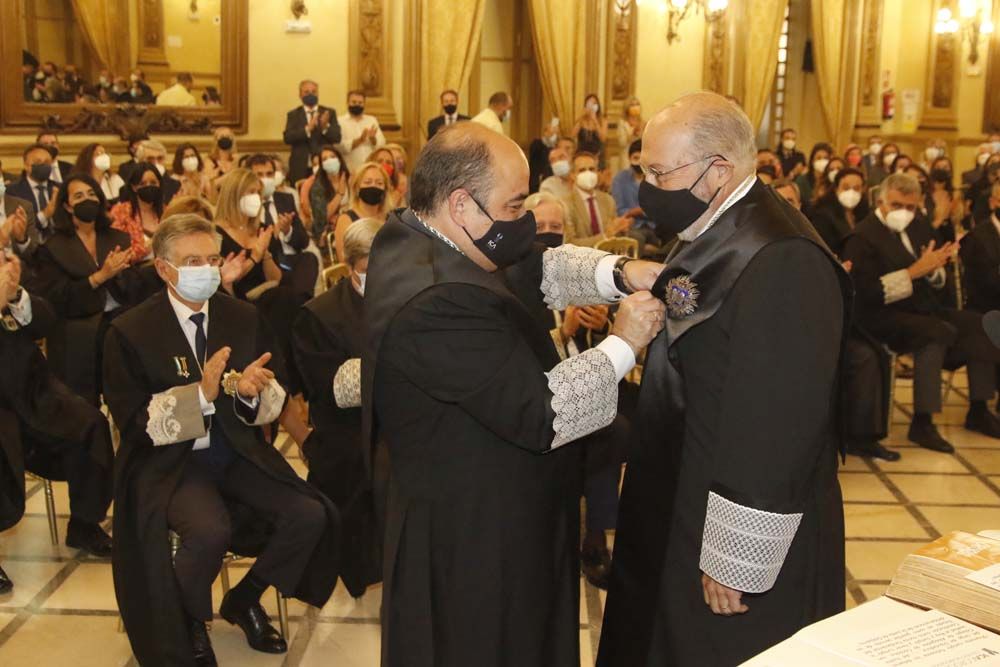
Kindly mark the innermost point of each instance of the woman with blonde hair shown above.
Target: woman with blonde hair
(399, 168)
(223, 157)
(630, 127)
(370, 197)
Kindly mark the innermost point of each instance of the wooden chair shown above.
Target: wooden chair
(620, 245)
(331, 247)
(334, 274)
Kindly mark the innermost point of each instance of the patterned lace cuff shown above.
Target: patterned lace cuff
(896, 286)
(569, 276)
(347, 384)
(744, 548)
(175, 416)
(584, 395)
(270, 403)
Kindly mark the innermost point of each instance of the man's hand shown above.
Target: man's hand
(640, 274)
(618, 225)
(311, 123)
(211, 374)
(116, 261)
(285, 222)
(50, 208)
(594, 318)
(640, 318)
(931, 259)
(372, 134)
(324, 120)
(571, 323)
(723, 600)
(17, 226)
(10, 278)
(255, 377)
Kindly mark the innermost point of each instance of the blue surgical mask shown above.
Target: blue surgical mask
(197, 283)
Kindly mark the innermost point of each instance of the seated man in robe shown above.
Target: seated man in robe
(899, 273)
(327, 340)
(190, 380)
(44, 427)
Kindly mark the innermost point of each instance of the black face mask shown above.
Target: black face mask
(41, 172)
(356, 109)
(371, 196)
(310, 100)
(637, 168)
(506, 242)
(673, 211)
(550, 239)
(450, 109)
(225, 143)
(148, 193)
(87, 210)
(53, 151)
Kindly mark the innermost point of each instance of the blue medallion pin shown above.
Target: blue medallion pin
(681, 296)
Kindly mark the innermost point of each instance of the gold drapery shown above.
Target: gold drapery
(559, 36)
(763, 19)
(449, 42)
(829, 37)
(102, 23)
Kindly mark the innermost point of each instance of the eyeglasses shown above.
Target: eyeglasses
(213, 260)
(661, 174)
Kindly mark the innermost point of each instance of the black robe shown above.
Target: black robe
(328, 332)
(139, 361)
(37, 409)
(981, 260)
(737, 399)
(482, 538)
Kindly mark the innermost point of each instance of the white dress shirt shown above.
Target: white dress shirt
(190, 328)
(350, 129)
(489, 118)
(21, 310)
(43, 221)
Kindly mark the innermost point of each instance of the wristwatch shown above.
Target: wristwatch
(618, 273)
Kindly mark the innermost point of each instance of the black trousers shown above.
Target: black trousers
(603, 455)
(866, 395)
(197, 512)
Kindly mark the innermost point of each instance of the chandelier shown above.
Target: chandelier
(678, 10)
(973, 23)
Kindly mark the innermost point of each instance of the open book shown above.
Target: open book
(956, 576)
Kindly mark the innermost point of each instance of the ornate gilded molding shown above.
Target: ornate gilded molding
(151, 37)
(944, 72)
(128, 120)
(621, 49)
(869, 113)
(940, 104)
(370, 66)
(716, 51)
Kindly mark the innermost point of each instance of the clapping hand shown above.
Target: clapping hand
(16, 229)
(211, 374)
(255, 377)
(262, 243)
(116, 261)
(50, 208)
(285, 222)
(324, 120)
(234, 267)
(931, 259)
(311, 123)
(10, 278)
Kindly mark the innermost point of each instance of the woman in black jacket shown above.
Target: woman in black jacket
(841, 208)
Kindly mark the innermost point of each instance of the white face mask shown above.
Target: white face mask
(362, 279)
(982, 158)
(102, 162)
(505, 117)
(594, 107)
(788, 144)
(898, 220)
(560, 168)
(849, 199)
(267, 185)
(874, 149)
(833, 175)
(190, 164)
(933, 153)
(586, 180)
(250, 205)
(160, 168)
(279, 178)
(819, 164)
(331, 165)
(888, 158)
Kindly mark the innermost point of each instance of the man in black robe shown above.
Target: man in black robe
(194, 460)
(327, 341)
(462, 383)
(44, 427)
(730, 531)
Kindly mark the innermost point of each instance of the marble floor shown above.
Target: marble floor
(62, 610)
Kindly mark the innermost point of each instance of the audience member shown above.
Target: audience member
(194, 205)
(872, 158)
(538, 155)
(789, 191)
(360, 132)
(60, 168)
(384, 158)
(935, 148)
(223, 157)
(980, 253)
(449, 115)
(630, 126)
(983, 152)
(496, 113)
(36, 187)
(140, 210)
(95, 161)
(838, 212)
(793, 161)
(560, 183)
(591, 212)
(18, 227)
(324, 193)
(189, 170)
(882, 165)
(307, 128)
(179, 94)
(808, 179)
(853, 156)
(898, 269)
(591, 129)
(134, 142)
(399, 172)
(369, 198)
(139, 91)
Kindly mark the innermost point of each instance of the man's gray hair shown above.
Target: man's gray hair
(149, 145)
(720, 128)
(179, 226)
(306, 81)
(358, 239)
(538, 198)
(902, 183)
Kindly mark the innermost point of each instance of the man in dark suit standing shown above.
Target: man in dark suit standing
(449, 105)
(37, 188)
(307, 128)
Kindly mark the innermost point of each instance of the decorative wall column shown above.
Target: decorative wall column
(620, 64)
(370, 58)
(870, 94)
(943, 72)
(151, 37)
(714, 71)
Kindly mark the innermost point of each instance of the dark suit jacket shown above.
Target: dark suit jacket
(981, 259)
(170, 188)
(971, 176)
(304, 145)
(435, 124)
(830, 220)
(22, 190)
(65, 169)
(285, 203)
(10, 204)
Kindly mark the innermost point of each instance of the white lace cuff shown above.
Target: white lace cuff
(271, 402)
(175, 416)
(744, 548)
(569, 277)
(896, 286)
(347, 384)
(584, 395)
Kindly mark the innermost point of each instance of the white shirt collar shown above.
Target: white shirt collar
(309, 110)
(184, 313)
(584, 194)
(737, 195)
(993, 219)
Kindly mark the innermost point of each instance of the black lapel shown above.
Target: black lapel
(890, 244)
(168, 338)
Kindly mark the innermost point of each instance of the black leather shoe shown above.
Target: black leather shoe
(872, 450)
(926, 435)
(6, 585)
(596, 566)
(88, 536)
(983, 421)
(204, 656)
(261, 635)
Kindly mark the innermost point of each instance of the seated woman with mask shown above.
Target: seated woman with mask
(140, 210)
(323, 193)
(371, 197)
(327, 340)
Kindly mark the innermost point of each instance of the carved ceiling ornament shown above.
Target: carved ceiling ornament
(871, 45)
